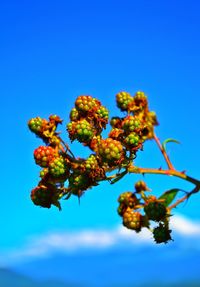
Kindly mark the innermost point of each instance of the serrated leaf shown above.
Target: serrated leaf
(169, 196)
(168, 141)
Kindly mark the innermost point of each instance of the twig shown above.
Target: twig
(169, 164)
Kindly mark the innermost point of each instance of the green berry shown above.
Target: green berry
(84, 132)
(86, 104)
(91, 163)
(155, 210)
(131, 124)
(37, 125)
(111, 151)
(162, 234)
(140, 101)
(123, 100)
(128, 198)
(58, 167)
(132, 140)
(74, 115)
(132, 220)
(103, 113)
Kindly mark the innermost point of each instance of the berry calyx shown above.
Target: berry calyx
(141, 186)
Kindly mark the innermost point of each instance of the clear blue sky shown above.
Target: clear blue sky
(53, 51)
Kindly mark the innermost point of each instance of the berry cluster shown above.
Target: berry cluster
(131, 205)
(63, 174)
(88, 119)
(138, 126)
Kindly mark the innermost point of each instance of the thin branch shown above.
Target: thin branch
(169, 172)
(182, 199)
(169, 164)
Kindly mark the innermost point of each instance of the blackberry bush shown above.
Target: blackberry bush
(64, 174)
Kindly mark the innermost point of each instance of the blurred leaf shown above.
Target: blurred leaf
(169, 196)
(167, 141)
(119, 177)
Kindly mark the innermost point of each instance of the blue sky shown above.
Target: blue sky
(50, 53)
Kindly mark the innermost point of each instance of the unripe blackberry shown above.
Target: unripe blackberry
(128, 198)
(43, 155)
(37, 125)
(91, 163)
(44, 172)
(58, 167)
(131, 124)
(42, 196)
(140, 101)
(162, 234)
(71, 129)
(103, 113)
(83, 131)
(132, 220)
(155, 210)
(86, 103)
(74, 115)
(80, 130)
(116, 122)
(111, 151)
(123, 100)
(132, 141)
(116, 134)
(141, 186)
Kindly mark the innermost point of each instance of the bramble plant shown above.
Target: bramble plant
(139, 208)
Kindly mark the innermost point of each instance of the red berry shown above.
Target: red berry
(43, 155)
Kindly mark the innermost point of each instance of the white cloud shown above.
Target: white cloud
(68, 242)
(185, 226)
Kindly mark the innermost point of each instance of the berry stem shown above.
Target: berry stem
(166, 157)
(182, 199)
(169, 172)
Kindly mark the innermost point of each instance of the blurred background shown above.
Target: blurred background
(50, 53)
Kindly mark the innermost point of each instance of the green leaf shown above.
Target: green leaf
(169, 196)
(119, 177)
(168, 141)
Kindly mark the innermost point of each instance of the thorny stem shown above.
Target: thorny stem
(169, 164)
(182, 175)
(169, 172)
